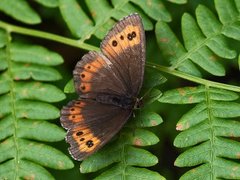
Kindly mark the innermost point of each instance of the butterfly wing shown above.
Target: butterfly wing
(94, 75)
(90, 125)
(124, 46)
(117, 70)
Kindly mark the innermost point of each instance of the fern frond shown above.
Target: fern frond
(103, 15)
(209, 130)
(20, 10)
(25, 108)
(205, 39)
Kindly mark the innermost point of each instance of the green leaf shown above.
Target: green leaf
(228, 15)
(4, 85)
(225, 109)
(69, 88)
(40, 130)
(153, 78)
(189, 95)
(7, 149)
(203, 129)
(239, 62)
(226, 10)
(178, 1)
(5, 105)
(225, 128)
(145, 119)
(29, 170)
(3, 38)
(129, 8)
(46, 155)
(151, 96)
(203, 45)
(6, 123)
(192, 35)
(34, 54)
(139, 157)
(195, 116)
(20, 10)
(173, 49)
(139, 137)
(211, 26)
(103, 15)
(24, 109)
(113, 152)
(154, 9)
(48, 3)
(203, 57)
(38, 91)
(3, 60)
(76, 19)
(129, 173)
(41, 110)
(27, 71)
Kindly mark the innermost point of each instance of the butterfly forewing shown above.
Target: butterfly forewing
(124, 46)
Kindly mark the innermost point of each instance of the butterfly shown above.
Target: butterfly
(108, 84)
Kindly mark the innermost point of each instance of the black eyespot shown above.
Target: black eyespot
(89, 67)
(121, 37)
(72, 109)
(129, 36)
(79, 133)
(78, 102)
(114, 43)
(82, 139)
(89, 143)
(83, 87)
(73, 116)
(134, 34)
(83, 75)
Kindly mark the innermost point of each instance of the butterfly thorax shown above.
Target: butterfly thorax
(120, 101)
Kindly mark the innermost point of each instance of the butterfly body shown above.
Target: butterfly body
(108, 84)
(120, 101)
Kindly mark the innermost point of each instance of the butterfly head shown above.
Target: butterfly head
(138, 103)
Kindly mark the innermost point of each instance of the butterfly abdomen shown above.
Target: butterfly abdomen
(120, 101)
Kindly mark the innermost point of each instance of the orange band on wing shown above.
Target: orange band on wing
(94, 65)
(86, 140)
(85, 87)
(130, 36)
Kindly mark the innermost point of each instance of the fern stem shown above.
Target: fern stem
(49, 36)
(194, 78)
(13, 100)
(77, 43)
(212, 136)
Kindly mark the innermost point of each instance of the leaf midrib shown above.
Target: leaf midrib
(13, 106)
(212, 135)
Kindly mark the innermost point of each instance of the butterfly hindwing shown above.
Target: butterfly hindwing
(91, 125)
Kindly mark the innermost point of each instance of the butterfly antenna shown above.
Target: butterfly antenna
(146, 93)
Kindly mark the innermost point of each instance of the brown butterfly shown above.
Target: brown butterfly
(108, 83)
